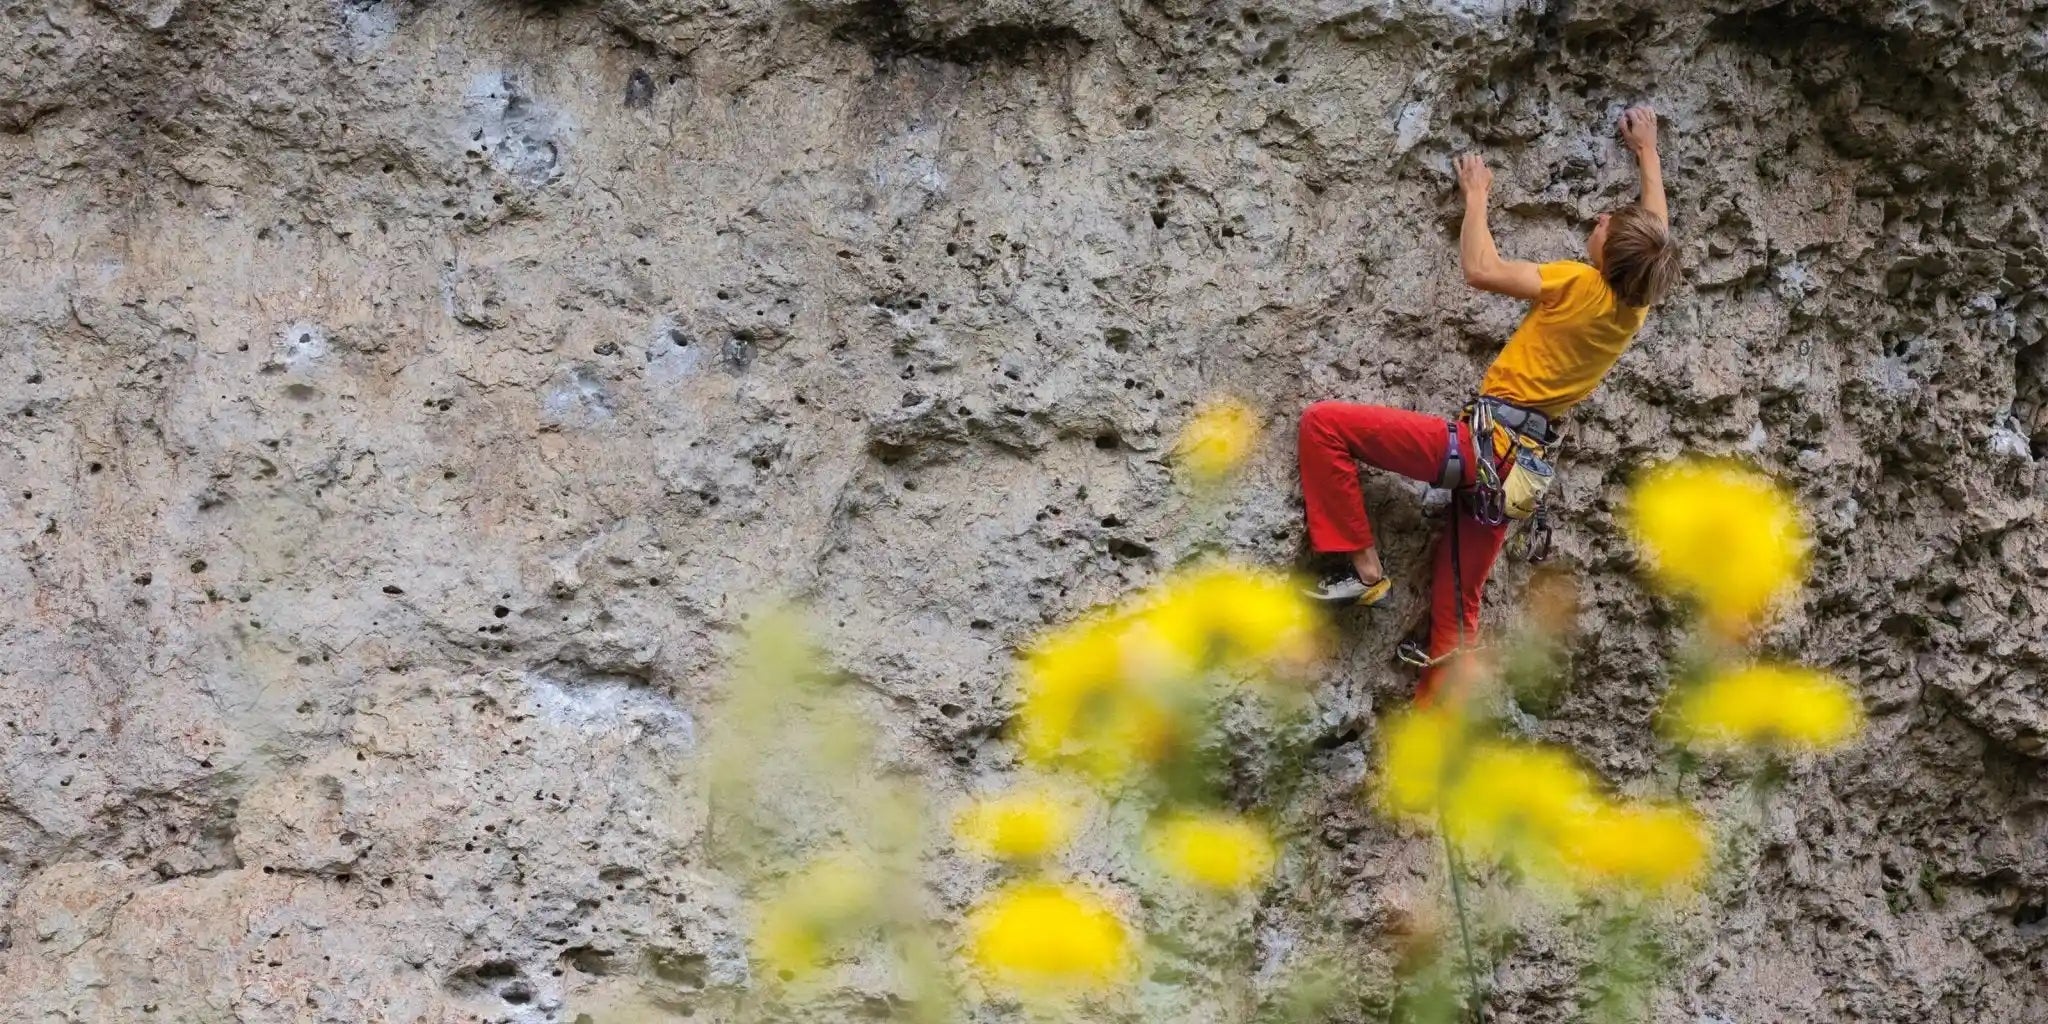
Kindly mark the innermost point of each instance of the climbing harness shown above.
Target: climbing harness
(1452, 477)
(1532, 441)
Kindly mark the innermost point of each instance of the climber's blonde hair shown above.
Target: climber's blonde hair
(1639, 259)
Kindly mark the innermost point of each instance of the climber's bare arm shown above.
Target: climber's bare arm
(1484, 269)
(1639, 134)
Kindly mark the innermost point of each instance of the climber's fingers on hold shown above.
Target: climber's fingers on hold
(1473, 174)
(1639, 123)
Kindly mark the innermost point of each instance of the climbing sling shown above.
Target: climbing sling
(1452, 479)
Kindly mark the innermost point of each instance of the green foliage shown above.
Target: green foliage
(1930, 884)
(1620, 976)
(1436, 992)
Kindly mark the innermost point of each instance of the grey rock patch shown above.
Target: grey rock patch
(505, 124)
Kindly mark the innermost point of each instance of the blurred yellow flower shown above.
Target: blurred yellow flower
(1514, 799)
(1217, 440)
(1530, 805)
(787, 942)
(1216, 851)
(1422, 749)
(1111, 692)
(1243, 617)
(1044, 938)
(1082, 709)
(1767, 706)
(1728, 536)
(1022, 825)
(1648, 847)
(817, 910)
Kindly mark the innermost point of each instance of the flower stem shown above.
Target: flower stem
(1464, 925)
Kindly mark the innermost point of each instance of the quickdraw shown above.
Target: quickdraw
(1414, 653)
(1487, 501)
(1531, 543)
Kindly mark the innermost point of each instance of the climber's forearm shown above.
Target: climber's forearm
(1651, 171)
(1476, 252)
(1639, 134)
(1484, 269)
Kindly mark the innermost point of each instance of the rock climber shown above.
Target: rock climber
(1581, 318)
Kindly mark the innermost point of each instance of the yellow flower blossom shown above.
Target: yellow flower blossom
(1515, 800)
(1229, 615)
(1022, 825)
(1218, 439)
(1082, 709)
(1216, 851)
(1727, 536)
(1648, 847)
(1110, 693)
(1531, 806)
(787, 942)
(816, 911)
(1767, 706)
(1422, 747)
(1042, 937)
(1260, 619)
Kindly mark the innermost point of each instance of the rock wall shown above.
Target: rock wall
(406, 403)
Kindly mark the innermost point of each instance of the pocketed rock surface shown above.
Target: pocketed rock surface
(404, 406)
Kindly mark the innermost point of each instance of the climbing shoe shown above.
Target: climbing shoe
(1343, 587)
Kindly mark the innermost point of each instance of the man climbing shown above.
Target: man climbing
(1581, 318)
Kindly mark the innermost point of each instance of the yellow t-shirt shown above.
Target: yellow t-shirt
(1569, 340)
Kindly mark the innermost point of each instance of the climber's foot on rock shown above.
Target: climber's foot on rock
(1341, 587)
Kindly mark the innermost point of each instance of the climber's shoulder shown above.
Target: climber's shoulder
(1568, 283)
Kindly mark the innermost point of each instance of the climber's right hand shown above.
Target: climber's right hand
(1474, 177)
(1639, 129)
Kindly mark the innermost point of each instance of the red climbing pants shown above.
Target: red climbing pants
(1335, 438)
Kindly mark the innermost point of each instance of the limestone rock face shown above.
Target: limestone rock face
(405, 404)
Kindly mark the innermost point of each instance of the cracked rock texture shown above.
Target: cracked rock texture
(403, 404)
